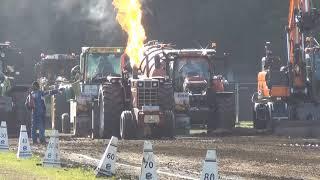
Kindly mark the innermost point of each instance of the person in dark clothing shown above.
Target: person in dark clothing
(125, 64)
(35, 103)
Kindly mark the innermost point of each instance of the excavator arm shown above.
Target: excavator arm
(303, 20)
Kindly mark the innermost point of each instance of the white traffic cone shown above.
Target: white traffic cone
(24, 149)
(210, 166)
(4, 146)
(107, 165)
(52, 155)
(148, 168)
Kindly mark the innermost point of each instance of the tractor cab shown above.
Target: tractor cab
(55, 68)
(191, 74)
(96, 65)
(11, 60)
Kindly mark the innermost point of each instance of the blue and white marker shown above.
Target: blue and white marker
(107, 165)
(52, 154)
(210, 166)
(24, 149)
(148, 167)
(4, 145)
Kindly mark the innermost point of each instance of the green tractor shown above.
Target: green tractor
(52, 72)
(98, 77)
(12, 92)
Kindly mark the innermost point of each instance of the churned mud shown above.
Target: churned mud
(247, 157)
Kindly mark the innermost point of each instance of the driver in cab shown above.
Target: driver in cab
(104, 66)
(188, 68)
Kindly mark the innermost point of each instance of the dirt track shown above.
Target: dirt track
(248, 157)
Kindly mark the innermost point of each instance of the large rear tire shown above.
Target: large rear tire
(112, 106)
(66, 126)
(212, 120)
(166, 100)
(19, 114)
(169, 130)
(259, 123)
(225, 110)
(127, 125)
(59, 107)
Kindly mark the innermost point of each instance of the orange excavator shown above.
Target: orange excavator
(288, 97)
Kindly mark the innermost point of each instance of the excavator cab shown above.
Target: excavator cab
(272, 79)
(273, 88)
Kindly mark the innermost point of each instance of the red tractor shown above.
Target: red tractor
(189, 75)
(148, 97)
(200, 90)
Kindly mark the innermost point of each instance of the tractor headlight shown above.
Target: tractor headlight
(161, 80)
(115, 80)
(140, 84)
(155, 84)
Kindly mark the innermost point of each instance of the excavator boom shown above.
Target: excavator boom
(302, 21)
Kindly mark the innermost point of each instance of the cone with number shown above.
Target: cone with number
(210, 167)
(148, 167)
(24, 149)
(52, 155)
(107, 165)
(4, 146)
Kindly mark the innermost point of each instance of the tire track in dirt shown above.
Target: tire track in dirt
(254, 157)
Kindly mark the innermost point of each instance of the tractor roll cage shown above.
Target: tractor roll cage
(156, 48)
(167, 53)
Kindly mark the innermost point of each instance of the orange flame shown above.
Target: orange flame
(129, 17)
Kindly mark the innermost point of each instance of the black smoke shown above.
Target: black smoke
(239, 27)
(62, 26)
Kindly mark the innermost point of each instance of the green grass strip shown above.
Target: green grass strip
(245, 124)
(13, 168)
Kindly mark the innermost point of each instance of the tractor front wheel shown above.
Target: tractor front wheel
(127, 125)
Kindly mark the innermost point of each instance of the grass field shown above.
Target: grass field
(13, 168)
(245, 124)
